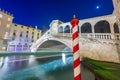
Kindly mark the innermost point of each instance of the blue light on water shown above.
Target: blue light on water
(38, 71)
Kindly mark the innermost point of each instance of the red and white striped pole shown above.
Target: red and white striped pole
(76, 55)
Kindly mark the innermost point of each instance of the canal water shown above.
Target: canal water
(47, 68)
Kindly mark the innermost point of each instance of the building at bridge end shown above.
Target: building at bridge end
(16, 37)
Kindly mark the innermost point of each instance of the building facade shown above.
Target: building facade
(16, 37)
(5, 29)
(23, 37)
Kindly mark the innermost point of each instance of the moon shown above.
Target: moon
(97, 7)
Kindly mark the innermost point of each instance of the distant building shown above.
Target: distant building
(5, 29)
(23, 37)
(16, 37)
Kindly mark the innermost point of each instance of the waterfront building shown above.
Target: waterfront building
(23, 37)
(16, 37)
(5, 28)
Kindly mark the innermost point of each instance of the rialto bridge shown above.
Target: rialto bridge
(99, 37)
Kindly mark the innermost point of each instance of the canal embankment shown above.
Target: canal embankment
(102, 70)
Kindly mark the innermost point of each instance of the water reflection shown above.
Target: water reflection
(34, 69)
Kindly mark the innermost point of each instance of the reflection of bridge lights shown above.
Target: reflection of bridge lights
(32, 59)
(63, 58)
(1, 61)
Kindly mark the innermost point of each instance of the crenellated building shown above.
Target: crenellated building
(16, 37)
(5, 28)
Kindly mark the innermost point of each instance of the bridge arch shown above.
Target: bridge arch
(67, 29)
(52, 45)
(47, 37)
(86, 28)
(116, 29)
(60, 29)
(102, 27)
(54, 39)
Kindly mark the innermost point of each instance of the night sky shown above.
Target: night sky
(42, 12)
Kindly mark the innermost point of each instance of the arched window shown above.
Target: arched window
(67, 29)
(14, 34)
(60, 29)
(21, 34)
(116, 29)
(86, 28)
(102, 27)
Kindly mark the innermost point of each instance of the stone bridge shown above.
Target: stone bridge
(99, 37)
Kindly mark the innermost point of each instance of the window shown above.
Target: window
(32, 41)
(9, 19)
(20, 40)
(13, 38)
(27, 40)
(21, 26)
(32, 37)
(14, 34)
(60, 29)
(21, 34)
(27, 31)
(26, 35)
(1, 15)
(15, 24)
(67, 29)
(38, 34)
(37, 37)
(8, 25)
(32, 33)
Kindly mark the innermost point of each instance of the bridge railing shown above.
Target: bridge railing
(92, 35)
(63, 35)
(117, 36)
(97, 35)
(101, 36)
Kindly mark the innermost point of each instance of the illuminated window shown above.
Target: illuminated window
(8, 26)
(27, 32)
(1, 15)
(9, 19)
(21, 34)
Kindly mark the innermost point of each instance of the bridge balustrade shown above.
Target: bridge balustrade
(91, 35)
(117, 36)
(96, 35)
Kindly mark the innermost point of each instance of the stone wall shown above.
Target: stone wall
(100, 51)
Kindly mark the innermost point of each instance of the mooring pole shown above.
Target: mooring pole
(76, 54)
